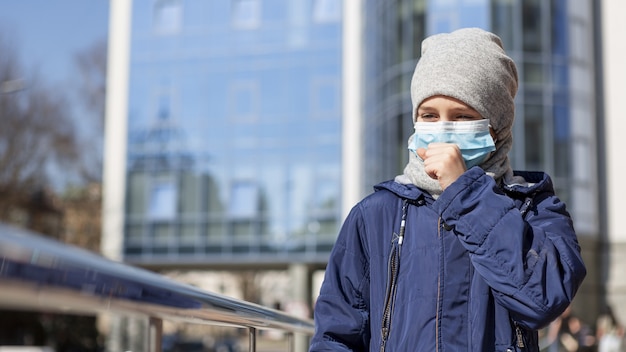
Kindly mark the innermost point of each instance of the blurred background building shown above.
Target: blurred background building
(243, 137)
(234, 132)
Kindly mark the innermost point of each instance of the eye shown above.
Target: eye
(428, 117)
(467, 117)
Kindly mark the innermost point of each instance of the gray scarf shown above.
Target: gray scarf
(496, 166)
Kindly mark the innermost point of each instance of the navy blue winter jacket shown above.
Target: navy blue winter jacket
(482, 268)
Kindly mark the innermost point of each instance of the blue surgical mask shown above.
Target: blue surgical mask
(472, 137)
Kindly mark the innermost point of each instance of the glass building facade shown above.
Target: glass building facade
(234, 131)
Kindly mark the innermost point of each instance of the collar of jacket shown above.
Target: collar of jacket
(406, 191)
(539, 181)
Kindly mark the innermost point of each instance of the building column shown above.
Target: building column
(300, 305)
(613, 44)
(114, 168)
(352, 131)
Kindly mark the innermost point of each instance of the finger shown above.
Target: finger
(421, 152)
(431, 169)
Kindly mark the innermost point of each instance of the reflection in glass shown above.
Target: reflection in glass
(533, 137)
(502, 14)
(533, 73)
(167, 16)
(531, 22)
(244, 198)
(326, 11)
(234, 144)
(162, 202)
(246, 13)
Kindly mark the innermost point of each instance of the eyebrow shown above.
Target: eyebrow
(460, 109)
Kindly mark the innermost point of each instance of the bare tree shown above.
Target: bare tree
(81, 201)
(41, 145)
(92, 67)
(37, 137)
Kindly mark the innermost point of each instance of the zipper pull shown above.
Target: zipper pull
(403, 222)
(520, 337)
(524, 208)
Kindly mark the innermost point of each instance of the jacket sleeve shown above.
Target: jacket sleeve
(342, 309)
(532, 263)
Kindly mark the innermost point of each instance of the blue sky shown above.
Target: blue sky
(49, 33)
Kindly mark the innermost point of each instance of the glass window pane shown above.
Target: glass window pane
(533, 73)
(162, 203)
(326, 194)
(136, 193)
(560, 75)
(326, 96)
(562, 148)
(533, 137)
(134, 234)
(242, 230)
(214, 232)
(211, 195)
(501, 19)
(167, 16)
(190, 194)
(162, 235)
(533, 95)
(246, 14)
(244, 198)
(560, 26)
(531, 22)
(189, 234)
(326, 11)
(243, 101)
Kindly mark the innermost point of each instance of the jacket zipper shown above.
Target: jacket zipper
(520, 336)
(393, 268)
(437, 317)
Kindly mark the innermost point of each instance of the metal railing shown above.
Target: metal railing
(40, 274)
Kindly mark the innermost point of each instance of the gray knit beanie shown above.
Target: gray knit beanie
(470, 65)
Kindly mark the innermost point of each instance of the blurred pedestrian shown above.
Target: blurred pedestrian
(609, 332)
(568, 333)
